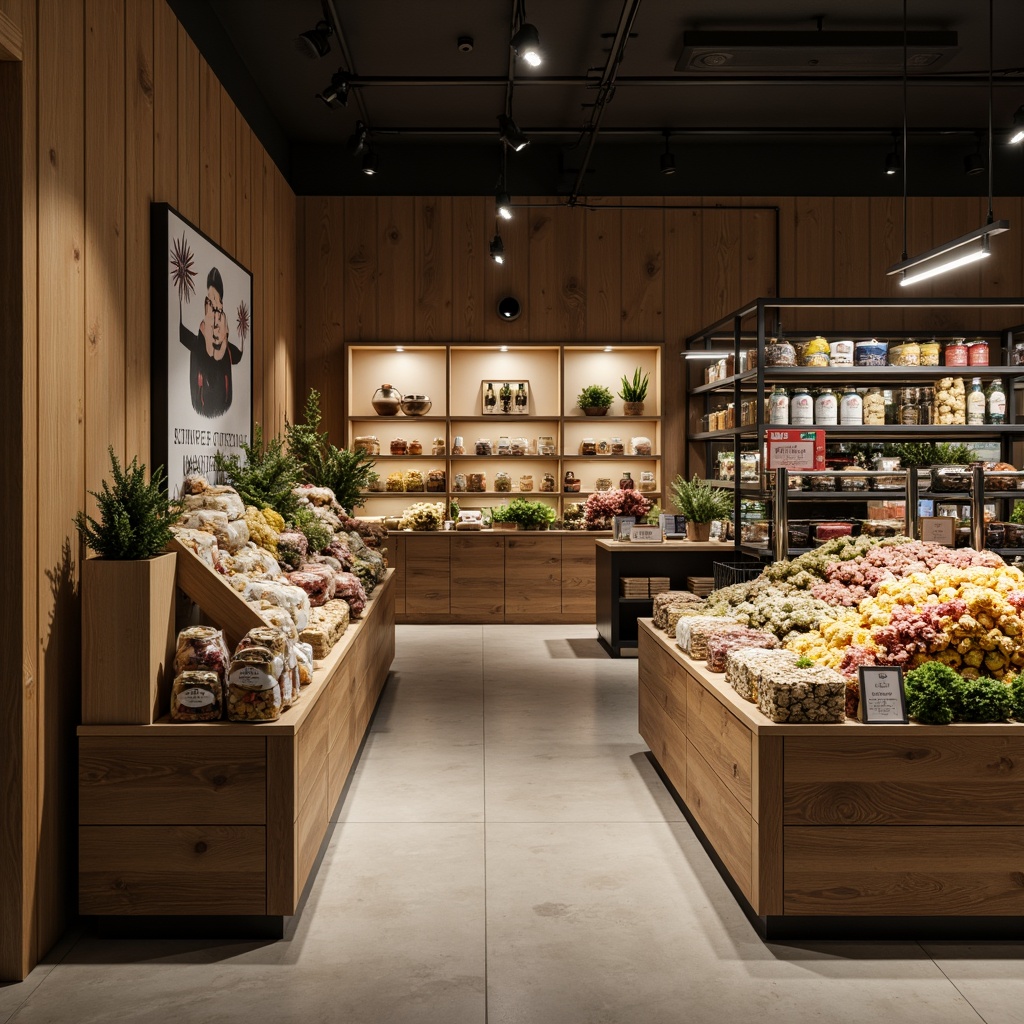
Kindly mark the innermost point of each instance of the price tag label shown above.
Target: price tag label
(939, 530)
(647, 534)
(883, 699)
(798, 450)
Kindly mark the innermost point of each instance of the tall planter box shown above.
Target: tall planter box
(127, 640)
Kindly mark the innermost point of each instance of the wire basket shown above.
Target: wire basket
(728, 573)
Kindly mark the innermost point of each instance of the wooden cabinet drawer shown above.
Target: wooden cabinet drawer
(310, 827)
(721, 737)
(892, 870)
(311, 748)
(579, 577)
(478, 579)
(912, 780)
(427, 585)
(665, 678)
(663, 735)
(533, 578)
(172, 869)
(166, 780)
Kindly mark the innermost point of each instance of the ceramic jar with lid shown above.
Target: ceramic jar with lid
(778, 406)
(826, 408)
(851, 408)
(386, 401)
(977, 353)
(955, 353)
(801, 408)
(779, 352)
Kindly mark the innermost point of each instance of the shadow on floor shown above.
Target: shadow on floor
(577, 647)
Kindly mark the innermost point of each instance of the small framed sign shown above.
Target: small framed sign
(621, 526)
(648, 534)
(939, 530)
(883, 699)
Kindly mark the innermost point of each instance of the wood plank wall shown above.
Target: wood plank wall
(117, 109)
(416, 268)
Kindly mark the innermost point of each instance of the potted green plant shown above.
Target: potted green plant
(594, 400)
(633, 393)
(700, 504)
(130, 584)
(528, 515)
(501, 520)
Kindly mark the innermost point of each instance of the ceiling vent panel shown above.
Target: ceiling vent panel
(787, 53)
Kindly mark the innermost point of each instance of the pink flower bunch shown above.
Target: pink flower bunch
(603, 506)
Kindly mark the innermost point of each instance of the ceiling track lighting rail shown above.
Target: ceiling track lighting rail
(690, 81)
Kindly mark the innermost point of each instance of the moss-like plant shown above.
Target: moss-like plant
(135, 516)
(699, 502)
(347, 473)
(267, 477)
(594, 396)
(530, 515)
(318, 534)
(634, 390)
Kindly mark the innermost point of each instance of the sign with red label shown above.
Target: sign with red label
(795, 449)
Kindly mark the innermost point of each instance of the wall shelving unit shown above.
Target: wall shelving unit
(454, 377)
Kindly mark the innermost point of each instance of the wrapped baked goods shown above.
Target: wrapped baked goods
(254, 689)
(199, 542)
(274, 615)
(319, 586)
(1000, 483)
(232, 535)
(671, 598)
(814, 694)
(316, 496)
(720, 645)
(395, 482)
(292, 547)
(351, 590)
(277, 642)
(744, 668)
(436, 480)
(249, 560)
(676, 612)
(692, 632)
(284, 595)
(217, 498)
(303, 663)
(413, 480)
(263, 528)
(201, 648)
(197, 696)
(325, 628)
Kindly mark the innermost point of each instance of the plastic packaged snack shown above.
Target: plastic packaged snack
(201, 649)
(254, 690)
(197, 696)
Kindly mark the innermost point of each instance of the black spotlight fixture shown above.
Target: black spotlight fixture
(1018, 127)
(497, 249)
(668, 161)
(503, 206)
(358, 140)
(510, 134)
(369, 162)
(316, 43)
(974, 163)
(336, 94)
(892, 163)
(526, 43)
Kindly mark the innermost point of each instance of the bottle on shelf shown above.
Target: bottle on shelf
(826, 408)
(778, 406)
(521, 399)
(626, 482)
(801, 408)
(910, 411)
(976, 403)
(490, 399)
(851, 408)
(996, 402)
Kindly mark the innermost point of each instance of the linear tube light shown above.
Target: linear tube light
(705, 355)
(979, 234)
(1018, 127)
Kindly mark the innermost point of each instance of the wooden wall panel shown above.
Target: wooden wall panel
(722, 276)
(226, 230)
(243, 192)
(208, 114)
(603, 291)
(396, 267)
(886, 249)
(643, 273)
(140, 33)
(469, 264)
(61, 460)
(104, 262)
(165, 105)
(557, 254)
(433, 268)
(510, 278)
(814, 259)
(265, 400)
(189, 116)
(852, 218)
(258, 332)
(360, 279)
(757, 250)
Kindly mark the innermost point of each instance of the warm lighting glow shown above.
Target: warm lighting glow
(608, 348)
(942, 268)
(704, 355)
(399, 349)
(504, 348)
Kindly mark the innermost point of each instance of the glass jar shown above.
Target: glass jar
(977, 404)
(726, 466)
(545, 444)
(977, 352)
(415, 447)
(826, 408)
(399, 446)
(518, 446)
(502, 482)
(778, 406)
(626, 482)
(616, 447)
(476, 482)
(996, 400)
(458, 445)
(604, 483)
(815, 353)
(368, 443)
(483, 446)
(955, 353)
(547, 483)
(801, 408)
(504, 446)
(892, 411)
(909, 411)
(526, 483)
(874, 408)
(930, 351)
(851, 408)
(906, 354)
(437, 446)
(459, 482)
(588, 446)
(926, 405)
(1017, 353)
(750, 467)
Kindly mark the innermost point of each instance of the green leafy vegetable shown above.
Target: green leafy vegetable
(933, 693)
(985, 700)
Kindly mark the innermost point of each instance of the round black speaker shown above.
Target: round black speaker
(509, 308)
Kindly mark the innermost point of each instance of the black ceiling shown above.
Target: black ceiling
(432, 110)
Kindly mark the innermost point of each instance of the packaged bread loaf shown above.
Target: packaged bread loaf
(279, 618)
(284, 595)
(720, 645)
(676, 612)
(254, 690)
(199, 542)
(692, 632)
(304, 664)
(319, 586)
(325, 627)
(197, 696)
(218, 499)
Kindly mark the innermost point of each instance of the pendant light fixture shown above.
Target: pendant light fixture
(497, 250)
(952, 254)
(526, 39)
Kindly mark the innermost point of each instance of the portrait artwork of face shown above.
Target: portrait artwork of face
(216, 322)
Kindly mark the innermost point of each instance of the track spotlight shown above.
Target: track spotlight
(503, 206)
(337, 91)
(509, 133)
(497, 250)
(370, 162)
(973, 162)
(358, 140)
(893, 163)
(316, 42)
(526, 43)
(668, 161)
(1018, 126)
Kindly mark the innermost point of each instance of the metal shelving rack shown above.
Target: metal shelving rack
(748, 328)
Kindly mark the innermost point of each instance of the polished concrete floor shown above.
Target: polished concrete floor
(507, 854)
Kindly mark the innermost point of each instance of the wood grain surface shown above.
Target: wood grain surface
(533, 577)
(477, 568)
(723, 740)
(172, 869)
(890, 870)
(579, 578)
(664, 737)
(665, 680)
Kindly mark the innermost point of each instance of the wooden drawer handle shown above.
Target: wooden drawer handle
(200, 847)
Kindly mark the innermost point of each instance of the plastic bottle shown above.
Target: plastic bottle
(996, 402)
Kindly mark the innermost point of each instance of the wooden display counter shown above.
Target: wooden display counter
(227, 819)
(841, 829)
(520, 576)
(617, 615)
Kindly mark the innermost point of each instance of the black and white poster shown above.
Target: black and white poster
(202, 354)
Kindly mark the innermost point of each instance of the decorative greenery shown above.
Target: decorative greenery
(699, 502)
(453, 508)
(530, 515)
(933, 693)
(654, 515)
(634, 390)
(594, 396)
(985, 700)
(135, 517)
(347, 473)
(1017, 515)
(918, 454)
(804, 662)
(267, 476)
(318, 534)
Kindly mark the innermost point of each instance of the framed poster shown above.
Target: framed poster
(202, 351)
(505, 397)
